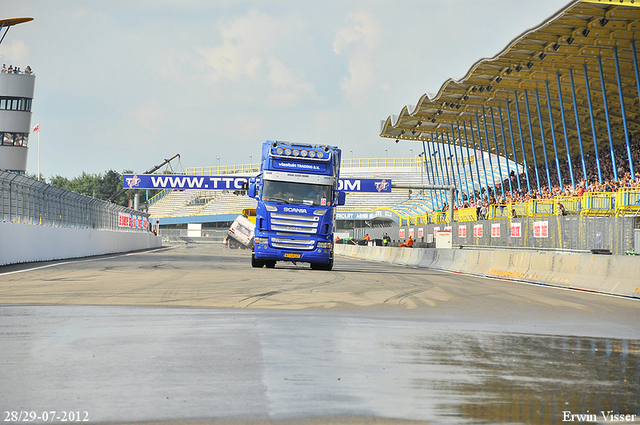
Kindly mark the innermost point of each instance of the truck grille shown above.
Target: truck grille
(286, 243)
(294, 223)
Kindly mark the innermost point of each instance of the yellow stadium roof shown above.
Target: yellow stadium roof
(575, 43)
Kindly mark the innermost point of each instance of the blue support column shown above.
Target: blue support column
(542, 139)
(435, 175)
(484, 168)
(606, 113)
(635, 68)
(453, 172)
(564, 128)
(553, 136)
(533, 147)
(495, 144)
(424, 157)
(475, 160)
(466, 178)
(575, 110)
(506, 155)
(455, 157)
(443, 164)
(624, 115)
(486, 136)
(524, 155)
(593, 124)
(513, 144)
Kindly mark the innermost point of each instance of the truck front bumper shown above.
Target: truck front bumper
(318, 255)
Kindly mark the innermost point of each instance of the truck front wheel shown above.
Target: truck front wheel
(255, 262)
(322, 266)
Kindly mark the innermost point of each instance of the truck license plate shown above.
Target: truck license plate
(287, 255)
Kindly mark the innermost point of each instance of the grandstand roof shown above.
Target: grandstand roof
(570, 44)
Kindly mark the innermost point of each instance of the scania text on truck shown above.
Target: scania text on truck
(297, 192)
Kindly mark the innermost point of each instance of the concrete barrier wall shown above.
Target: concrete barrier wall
(22, 243)
(610, 274)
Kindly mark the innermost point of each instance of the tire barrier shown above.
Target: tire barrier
(607, 274)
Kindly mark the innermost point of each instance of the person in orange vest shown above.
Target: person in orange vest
(408, 243)
(366, 237)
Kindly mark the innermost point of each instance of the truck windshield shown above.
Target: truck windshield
(296, 193)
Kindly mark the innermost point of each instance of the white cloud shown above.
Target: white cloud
(246, 43)
(359, 42)
(16, 52)
(289, 87)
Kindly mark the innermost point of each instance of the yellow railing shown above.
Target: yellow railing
(628, 201)
(598, 204)
(218, 170)
(465, 214)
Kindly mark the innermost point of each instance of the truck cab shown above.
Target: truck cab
(297, 195)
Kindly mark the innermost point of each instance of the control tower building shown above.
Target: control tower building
(16, 95)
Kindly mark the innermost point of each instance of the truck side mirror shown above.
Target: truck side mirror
(342, 197)
(252, 187)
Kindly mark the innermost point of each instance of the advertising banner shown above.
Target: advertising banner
(462, 231)
(227, 182)
(516, 230)
(477, 230)
(495, 230)
(540, 229)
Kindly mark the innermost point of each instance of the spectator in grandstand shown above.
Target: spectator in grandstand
(28, 70)
(4, 68)
(561, 210)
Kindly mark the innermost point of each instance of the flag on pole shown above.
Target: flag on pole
(35, 128)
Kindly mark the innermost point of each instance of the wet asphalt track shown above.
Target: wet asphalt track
(191, 333)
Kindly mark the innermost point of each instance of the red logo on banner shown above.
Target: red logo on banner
(516, 230)
(401, 233)
(462, 231)
(477, 230)
(495, 230)
(420, 232)
(411, 232)
(541, 229)
(436, 229)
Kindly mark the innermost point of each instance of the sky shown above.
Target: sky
(123, 85)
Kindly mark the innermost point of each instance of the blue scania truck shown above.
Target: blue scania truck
(297, 192)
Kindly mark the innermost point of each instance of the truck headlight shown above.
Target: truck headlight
(260, 241)
(326, 245)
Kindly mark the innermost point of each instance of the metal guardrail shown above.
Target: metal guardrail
(28, 201)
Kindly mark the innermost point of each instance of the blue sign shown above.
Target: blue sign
(298, 166)
(170, 181)
(365, 185)
(226, 182)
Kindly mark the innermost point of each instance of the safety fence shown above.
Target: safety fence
(625, 201)
(574, 233)
(25, 200)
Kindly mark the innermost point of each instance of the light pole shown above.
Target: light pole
(218, 163)
(250, 163)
